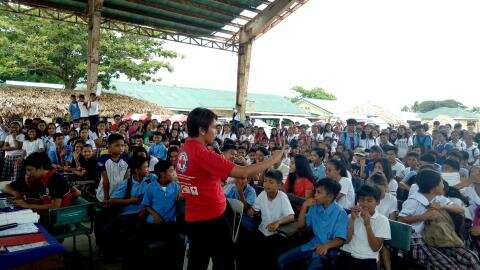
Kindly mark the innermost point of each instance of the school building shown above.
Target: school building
(452, 115)
(184, 99)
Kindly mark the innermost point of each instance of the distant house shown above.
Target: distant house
(183, 99)
(318, 108)
(452, 115)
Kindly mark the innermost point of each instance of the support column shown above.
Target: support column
(243, 72)
(94, 15)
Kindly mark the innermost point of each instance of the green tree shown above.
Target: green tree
(316, 93)
(57, 51)
(405, 109)
(475, 109)
(430, 105)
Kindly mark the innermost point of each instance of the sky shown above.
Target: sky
(389, 53)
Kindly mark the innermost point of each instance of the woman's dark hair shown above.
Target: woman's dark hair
(319, 151)
(199, 118)
(136, 162)
(453, 192)
(37, 133)
(38, 160)
(387, 169)
(302, 169)
(340, 166)
(378, 178)
(263, 150)
(427, 180)
(363, 135)
(452, 163)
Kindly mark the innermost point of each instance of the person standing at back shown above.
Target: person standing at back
(93, 110)
(82, 106)
(200, 173)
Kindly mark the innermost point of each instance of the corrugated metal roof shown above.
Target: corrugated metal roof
(184, 98)
(218, 19)
(454, 113)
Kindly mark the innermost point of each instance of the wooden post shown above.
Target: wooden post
(94, 15)
(243, 72)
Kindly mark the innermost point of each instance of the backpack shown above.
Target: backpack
(441, 232)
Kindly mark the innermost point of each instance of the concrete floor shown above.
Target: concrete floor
(80, 260)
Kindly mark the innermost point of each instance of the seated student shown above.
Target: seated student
(112, 167)
(157, 148)
(300, 179)
(138, 141)
(275, 209)
(409, 179)
(46, 188)
(247, 196)
(140, 151)
(424, 206)
(388, 203)
(317, 155)
(88, 164)
(57, 154)
(160, 202)
(337, 171)
(328, 221)
(282, 167)
(449, 166)
(383, 165)
(367, 229)
(374, 154)
(388, 207)
(128, 199)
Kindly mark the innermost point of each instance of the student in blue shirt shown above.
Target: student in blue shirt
(73, 108)
(160, 202)
(247, 197)
(329, 223)
(157, 148)
(318, 168)
(127, 197)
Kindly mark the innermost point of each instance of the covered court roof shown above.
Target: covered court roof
(208, 23)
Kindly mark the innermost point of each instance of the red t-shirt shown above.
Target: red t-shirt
(200, 173)
(300, 186)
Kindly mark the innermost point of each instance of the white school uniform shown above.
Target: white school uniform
(387, 205)
(473, 153)
(417, 205)
(11, 143)
(274, 210)
(348, 199)
(358, 247)
(83, 110)
(473, 199)
(33, 146)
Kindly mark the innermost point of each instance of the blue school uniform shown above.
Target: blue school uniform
(159, 151)
(74, 110)
(163, 200)
(138, 191)
(327, 224)
(249, 193)
(318, 172)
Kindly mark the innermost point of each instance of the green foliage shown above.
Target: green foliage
(316, 93)
(57, 51)
(430, 105)
(405, 109)
(474, 109)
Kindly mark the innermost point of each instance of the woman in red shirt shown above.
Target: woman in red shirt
(200, 173)
(300, 180)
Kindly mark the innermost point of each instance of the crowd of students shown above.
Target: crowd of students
(350, 180)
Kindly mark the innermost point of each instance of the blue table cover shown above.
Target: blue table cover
(9, 260)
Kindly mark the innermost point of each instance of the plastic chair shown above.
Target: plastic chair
(400, 235)
(68, 222)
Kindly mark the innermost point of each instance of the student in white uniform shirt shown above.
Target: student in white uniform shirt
(472, 150)
(387, 207)
(472, 191)
(423, 206)
(337, 171)
(383, 165)
(227, 133)
(248, 136)
(82, 106)
(367, 230)
(456, 141)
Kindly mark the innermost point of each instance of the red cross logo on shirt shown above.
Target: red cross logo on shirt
(182, 162)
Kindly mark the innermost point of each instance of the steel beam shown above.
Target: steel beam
(44, 13)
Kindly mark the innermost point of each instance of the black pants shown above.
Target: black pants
(212, 238)
(347, 262)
